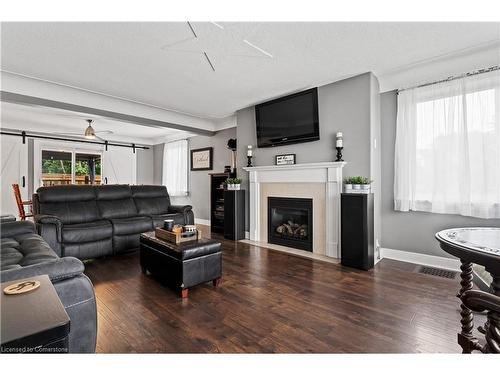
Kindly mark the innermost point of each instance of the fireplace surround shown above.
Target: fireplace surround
(321, 181)
(290, 222)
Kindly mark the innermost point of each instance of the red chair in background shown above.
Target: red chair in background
(20, 203)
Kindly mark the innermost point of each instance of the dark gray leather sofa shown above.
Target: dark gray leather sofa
(25, 254)
(92, 221)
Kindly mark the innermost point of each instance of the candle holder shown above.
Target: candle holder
(339, 153)
(249, 161)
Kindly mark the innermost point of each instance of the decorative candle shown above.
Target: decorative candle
(249, 152)
(339, 142)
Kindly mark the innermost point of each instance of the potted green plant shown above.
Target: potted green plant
(356, 182)
(237, 183)
(348, 183)
(233, 183)
(366, 183)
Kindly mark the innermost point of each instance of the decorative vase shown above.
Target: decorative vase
(237, 186)
(348, 186)
(366, 186)
(356, 186)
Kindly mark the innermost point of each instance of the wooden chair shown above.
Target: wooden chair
(20, 203)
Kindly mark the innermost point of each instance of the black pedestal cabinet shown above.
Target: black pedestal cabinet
(234, 214)
(357, 230)
(217, 188)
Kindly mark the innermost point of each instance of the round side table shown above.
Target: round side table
(479, 246)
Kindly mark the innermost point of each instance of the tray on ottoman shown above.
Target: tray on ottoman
(177, 238)
(182, 265)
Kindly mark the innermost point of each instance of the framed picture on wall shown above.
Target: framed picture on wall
(286, 159)
(202, 159)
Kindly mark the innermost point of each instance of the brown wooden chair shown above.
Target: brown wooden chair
(20, 203)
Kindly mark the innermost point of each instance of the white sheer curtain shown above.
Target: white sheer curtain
(447, 156)
(175, 168)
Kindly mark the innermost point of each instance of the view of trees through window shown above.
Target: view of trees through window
(57, 168)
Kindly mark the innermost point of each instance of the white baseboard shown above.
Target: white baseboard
(423, 259)
(247, 235)
(201, 221)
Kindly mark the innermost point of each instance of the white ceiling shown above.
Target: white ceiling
(161, 64)
(54, 121)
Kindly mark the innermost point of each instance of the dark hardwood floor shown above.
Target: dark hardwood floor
(273, 302)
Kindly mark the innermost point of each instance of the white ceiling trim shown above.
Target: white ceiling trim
(31, 86)
(101, 93)
(477, 57)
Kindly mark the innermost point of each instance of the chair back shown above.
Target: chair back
(20, 203)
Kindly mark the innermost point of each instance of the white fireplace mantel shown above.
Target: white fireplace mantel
(327, 173)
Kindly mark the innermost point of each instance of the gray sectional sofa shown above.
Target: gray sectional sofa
(93, 221)
(25, 254)
(75, 223)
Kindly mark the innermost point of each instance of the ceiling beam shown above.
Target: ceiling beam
(10, 97)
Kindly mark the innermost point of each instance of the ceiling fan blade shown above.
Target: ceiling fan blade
(257, 48)
(192, 30)
(209, 62)
(101, 139)
(70, 133)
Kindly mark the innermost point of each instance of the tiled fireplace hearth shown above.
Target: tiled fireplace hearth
(320, 184)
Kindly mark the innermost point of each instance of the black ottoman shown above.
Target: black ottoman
(184, 265)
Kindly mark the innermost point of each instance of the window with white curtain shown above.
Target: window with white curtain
(175, 168)
(447, 155)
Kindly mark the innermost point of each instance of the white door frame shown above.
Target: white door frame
(60, 146)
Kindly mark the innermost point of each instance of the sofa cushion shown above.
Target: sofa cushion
(151, 199)
(70, 203)
(87, 232)
(115, 201)
(88, 250)
(24, 250)
(131, 225)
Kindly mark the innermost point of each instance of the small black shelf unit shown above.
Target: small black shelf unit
(234, 215)
(357, 230)
(217, 201)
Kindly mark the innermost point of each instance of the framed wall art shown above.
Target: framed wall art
(202, 159)
(286, 159)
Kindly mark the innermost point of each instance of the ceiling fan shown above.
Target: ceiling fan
(180, 45)
(90, 132)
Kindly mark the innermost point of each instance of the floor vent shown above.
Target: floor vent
(426, 270)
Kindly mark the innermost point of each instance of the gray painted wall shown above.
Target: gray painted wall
(343, 106)
(347, 106)
(199, 181)
(410, 231)
(157, 163)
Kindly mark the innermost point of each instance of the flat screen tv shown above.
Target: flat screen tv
(291, 119)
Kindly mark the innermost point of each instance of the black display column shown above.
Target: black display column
(234, 214)
(357, 230)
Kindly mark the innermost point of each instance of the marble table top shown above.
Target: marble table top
(485, 240)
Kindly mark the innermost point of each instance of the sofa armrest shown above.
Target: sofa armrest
(180, 209)
(15, 228)
(41, 220)
(47, 219)
(60, 269)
